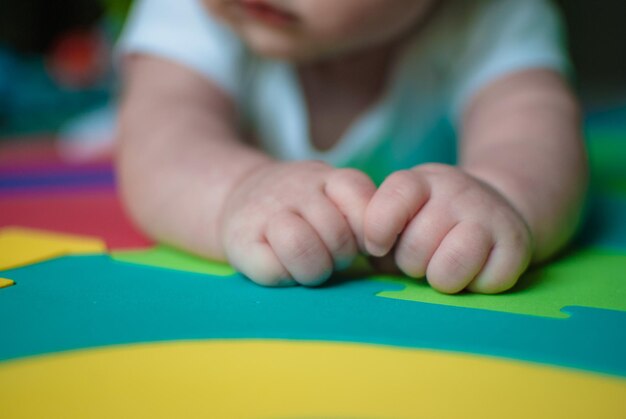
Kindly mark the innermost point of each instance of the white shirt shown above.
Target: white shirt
(468, 44)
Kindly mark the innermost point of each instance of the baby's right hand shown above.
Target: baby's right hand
(296, 222)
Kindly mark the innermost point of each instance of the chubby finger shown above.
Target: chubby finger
(351, 191)
(395, 203)
(254, 258)
(459, 258)
(421, 238)
(333, 229)
(508, 260)
(299, 248)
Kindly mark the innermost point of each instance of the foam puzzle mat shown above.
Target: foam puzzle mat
(98, 321)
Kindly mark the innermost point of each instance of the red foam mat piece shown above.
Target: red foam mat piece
(95, 213)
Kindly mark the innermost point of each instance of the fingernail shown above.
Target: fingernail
(375, 249)
(319, 280)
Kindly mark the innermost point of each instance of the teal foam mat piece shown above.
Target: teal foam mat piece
(605, 226)
(75, 302)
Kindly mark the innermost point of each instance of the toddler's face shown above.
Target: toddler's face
(306, 30)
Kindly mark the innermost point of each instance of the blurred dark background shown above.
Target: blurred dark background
(597, 38)
(55, 58)
(55, 62)
(32, 26)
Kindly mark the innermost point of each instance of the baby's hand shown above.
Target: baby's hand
(450, 227)
(295, 222)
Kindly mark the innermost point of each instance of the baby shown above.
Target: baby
(288, 136)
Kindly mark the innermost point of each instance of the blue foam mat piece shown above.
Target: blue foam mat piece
(47, 180)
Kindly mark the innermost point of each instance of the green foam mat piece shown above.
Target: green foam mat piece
(163, 256)
(590, 278)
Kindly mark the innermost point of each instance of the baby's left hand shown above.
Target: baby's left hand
(438, 221)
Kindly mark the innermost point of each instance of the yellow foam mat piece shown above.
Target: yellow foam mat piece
(5, 283)
(23, 246)
(289, 379)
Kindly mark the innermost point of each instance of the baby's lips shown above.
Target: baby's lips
(267, 12)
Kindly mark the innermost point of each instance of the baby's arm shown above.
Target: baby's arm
(515, 198)
(523, 136)
(188, 180)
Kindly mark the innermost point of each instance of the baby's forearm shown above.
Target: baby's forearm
(527, 145)
(179, 156)
(547, 194)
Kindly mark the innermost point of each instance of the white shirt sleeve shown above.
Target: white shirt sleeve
(505, 36)
(182, 31)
